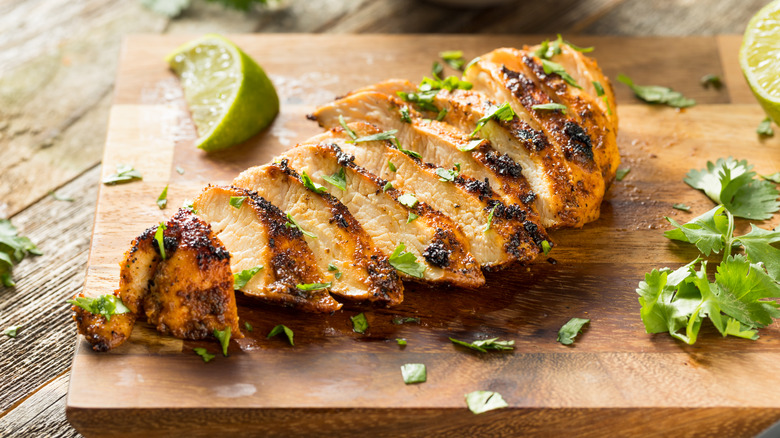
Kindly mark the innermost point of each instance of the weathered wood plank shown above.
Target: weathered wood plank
(41, 414)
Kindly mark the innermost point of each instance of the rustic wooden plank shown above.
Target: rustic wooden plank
(41, 414)
(739, 92)
(44, 345)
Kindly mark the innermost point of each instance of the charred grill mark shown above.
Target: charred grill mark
(340, 221)
(503, 164)
(437, 255)
(528, 136)
(579, 143)
(480, 188)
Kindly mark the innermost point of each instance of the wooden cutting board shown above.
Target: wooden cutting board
(615, 380)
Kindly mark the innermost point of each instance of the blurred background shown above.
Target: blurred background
(58, 60)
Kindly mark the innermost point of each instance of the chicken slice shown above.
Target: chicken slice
(257, 234)
(188, 293)
(426, 233)
(586, 132)
(498, 234)
(361, 272)
(435, 141)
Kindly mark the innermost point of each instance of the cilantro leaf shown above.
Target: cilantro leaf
(411, 217)
(237, 201)
(765, 128)
(620, 174)
(338, 179)
(279, 329)
(483, 401)
(569, 331)
(403, 320)
(555, 68)
(162, 200)
(731, 183)
(405, 116)
(391, 166)
(413, 373)
(490, 218)
(446, 174)
(401, 342)
(681, 206)
(57, 197)
(311, 185)
(347, 129)
(711, 80)
(599, 88)
(223, 336)
(105, 305)
(424, 100)
(758, 249)
(240, 279)
(388, 185)
(707, 231)
(12, 331)
(312, 286)
(741, 289)
(486, 344)
(408, 200)
(546, 247)
(502, 113)
(291, 223)
(380, 136)
(471, 145)
(406, 262)
(13, 248)
(359, 323)
(179, 170)
(450, 83)
(453, 58)
(657, 94)
(334, 268)
(775, 177)
(550, 107)
(159, 238)
(203, 354)
(437, 69)
(248, 326)
(124, 173)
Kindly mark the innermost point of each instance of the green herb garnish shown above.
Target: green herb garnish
(446, 174)
(57, 197)
(313, 286)
(765, 128)
(12, 331)
(291, 223)
(437, 69)
(248, 326)
(223, 336)
(124, 174)
(657, 94)
(408, 200)
(334, 268)
(203, 354)
(162, 200)
(569, 331)
(413, 372)
(105, 305)
(471, 145)
(13, 248)
(550, 107)
(391, 166)
(240, 279)
(411, 217)
(503, 113)
(484, 345)
(621, 173)
(281, 328)
(179, 170)
(237, 201)
(405, 116)
(682, 207)
(483, 401)
(490, 218)
(381, 136)
(453, 58)
(159, 237)
(401, 342)
(711, 80)
(555, 68)
(311, 185)
(442, 114)
(406, 262)
(359, 323)
(775, 177)
(387, 186)
(398, 320)
(546, 247)
(347, 129)
(338, 179)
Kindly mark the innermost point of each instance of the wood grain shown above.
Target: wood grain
(614, 377)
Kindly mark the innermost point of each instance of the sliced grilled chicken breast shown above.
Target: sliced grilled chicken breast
(436, 142)
(585, 131)
(344, 252)
(498, 234)
(431, 237)
(257, 234)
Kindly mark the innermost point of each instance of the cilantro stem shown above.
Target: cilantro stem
(729, 235)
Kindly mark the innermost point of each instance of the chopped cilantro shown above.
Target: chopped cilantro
(408, 200)
(313, 286)
(446, 174)
(503, 112)
(765, 128)
(279, 329)
(731, 183)
(472, 62)
(569, 331)
(546, 247)
(711, 80)
(621, 173)
(424, 100)
(555, 68)
(338, 179)
(223, 336)
(162, 200)
(159, 237)
(12, 331)
(13, 248)
(311, 185)
(386, 135)
(347, 129)
(453, 58)
(387, 186)
(405, 116)
(240, 279)
(483, 401)
(333, 268)
(657, 94)
(248, 326)
(105, 305)
(203, 354)
(401, 342)
(681, 206)
(57, 197)
(490, 218)
(237, 201)
(359, 323)
(487, 344)
(187, 205)
(406, 262)
(124, 173)
(391, 166)
(775, 177)
(291, 223)
(179, 170)
(442, 114)
(550, 107)
(413, 372)
(599, 88)
(398, 320)
(411, 217)
(471, 145)
(437, 69)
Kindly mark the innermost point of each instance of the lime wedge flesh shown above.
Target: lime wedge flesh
(759, 58)
(229, 95)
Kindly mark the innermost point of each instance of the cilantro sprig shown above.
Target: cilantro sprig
(486, 344)
(124, 173)
(106, 305)
(13, 248)
(406, 262)
(657, 94)
(240, 279)
(502, 112)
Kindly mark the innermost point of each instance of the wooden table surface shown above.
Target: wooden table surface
(58, 62)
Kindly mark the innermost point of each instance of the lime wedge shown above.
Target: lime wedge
(229, 95)
(759, 58)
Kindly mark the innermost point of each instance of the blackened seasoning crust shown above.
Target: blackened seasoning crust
(579, 141)
(503, 164)
(437, 254)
